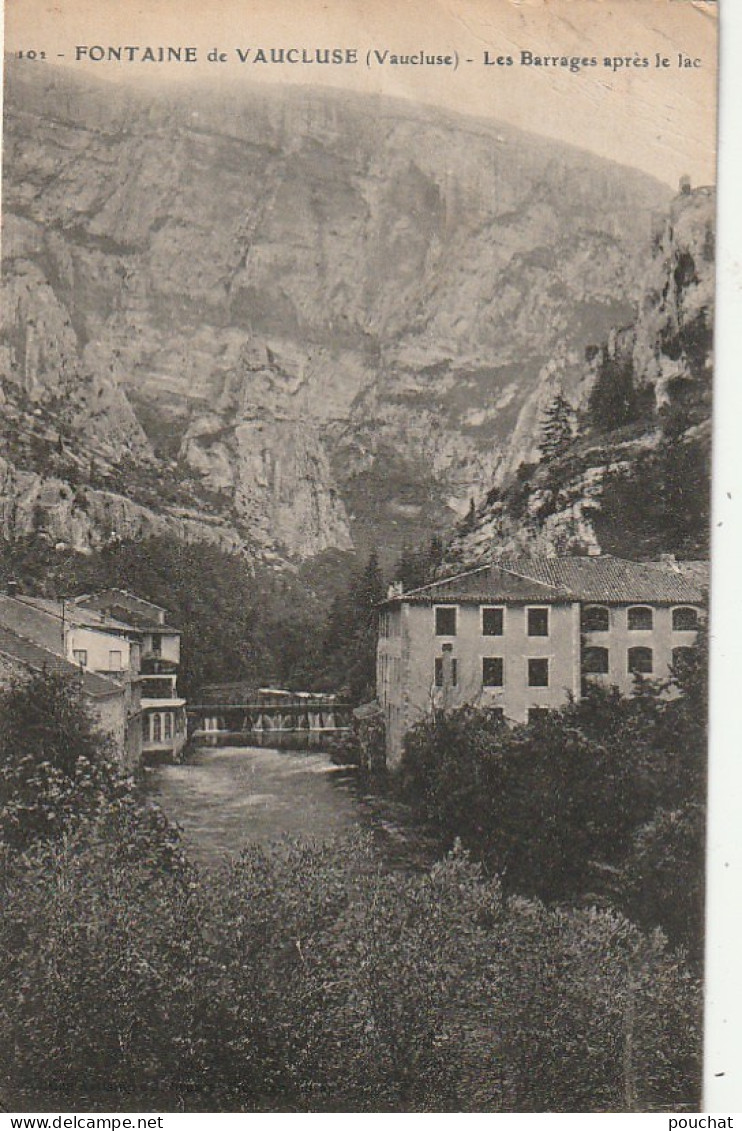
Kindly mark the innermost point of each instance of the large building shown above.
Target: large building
(163, 711)
(522, 635)
(39, 636)
(125, 652)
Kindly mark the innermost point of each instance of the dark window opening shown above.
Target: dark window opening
(595, 618)
(681, 656)
(640, 618)
(538, 673)
(439, 672)
(492, 622)
(445, 621)
(684, 619)
(595, 661)
(492, 671)
(640, 661)
(538, 622)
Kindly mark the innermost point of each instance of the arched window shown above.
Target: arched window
(681, 656)
(640, 618)
(640, 661)
(168, 725)
(157, 728)
(684, 619)
(595, 618)
(595, 661)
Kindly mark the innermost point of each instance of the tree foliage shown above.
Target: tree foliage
(349, 643)
(309, 980)
(613, 400)
(571, 807)
(557, 429)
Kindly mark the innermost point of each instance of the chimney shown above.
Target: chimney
(395, 589)
(11, 588)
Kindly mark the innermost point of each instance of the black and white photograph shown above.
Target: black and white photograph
(356, 389)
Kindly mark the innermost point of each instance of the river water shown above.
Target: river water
(226, 798)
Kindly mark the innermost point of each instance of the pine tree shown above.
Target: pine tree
(556, 429)
(613, 400)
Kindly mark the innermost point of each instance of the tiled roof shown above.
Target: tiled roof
(553, 579)
(75, 614)
(30, 622)
(41, 659)
(129, 608)
(610, 579)
(487, 583)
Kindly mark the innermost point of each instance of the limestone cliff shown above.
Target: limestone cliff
(330, 318)
(638, 483)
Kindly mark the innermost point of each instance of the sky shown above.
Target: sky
(661, 119)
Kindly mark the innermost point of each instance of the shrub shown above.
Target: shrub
(306, 979)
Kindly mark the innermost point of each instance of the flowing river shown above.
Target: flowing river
(226, 798)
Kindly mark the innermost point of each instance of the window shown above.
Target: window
(156, 645)
(114, 661)
(492, 671)
(492, 622)
(168, 725)
(684, 619)
(640, 661)
(145, 728)
(536, 715)
(595, 618)
(640, 618)
(538, 622)
(156, 728)
(80, 656)
(445, 620)
(681, 656)
(439, 671)
(595, 661)
(538, 673)
(496, 714)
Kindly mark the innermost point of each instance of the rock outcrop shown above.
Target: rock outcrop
(665, 355)
(335, 315)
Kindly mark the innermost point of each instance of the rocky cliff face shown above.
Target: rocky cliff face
(608, 487)
(327, 319)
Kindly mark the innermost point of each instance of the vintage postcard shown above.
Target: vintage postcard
(356, 387)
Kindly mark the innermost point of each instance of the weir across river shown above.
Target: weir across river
(266, 717)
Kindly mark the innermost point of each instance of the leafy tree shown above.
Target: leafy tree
(609, 788)
(53, 764)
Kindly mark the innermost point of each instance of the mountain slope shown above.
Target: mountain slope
(634, 477)
(325, 319)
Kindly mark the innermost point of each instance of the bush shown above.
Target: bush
(570, 808)
(308, 980)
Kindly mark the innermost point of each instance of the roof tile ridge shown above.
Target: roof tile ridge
(41, 647)
(445, 580)
(535, 580)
